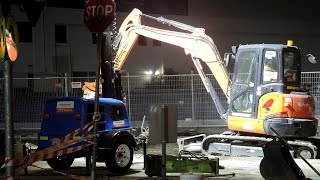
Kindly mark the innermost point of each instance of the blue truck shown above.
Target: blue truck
(115, 142)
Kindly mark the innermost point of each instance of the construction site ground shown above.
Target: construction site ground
(242, 168)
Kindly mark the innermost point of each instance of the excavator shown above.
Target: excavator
(267, 106)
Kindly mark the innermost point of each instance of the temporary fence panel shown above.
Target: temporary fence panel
(195, 107)
(311, 80)
(194, 104)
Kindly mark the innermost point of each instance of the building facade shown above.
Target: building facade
(60, 42)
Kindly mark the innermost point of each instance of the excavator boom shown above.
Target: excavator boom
(200, 46)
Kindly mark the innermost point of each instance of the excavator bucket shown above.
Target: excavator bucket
(278, 163)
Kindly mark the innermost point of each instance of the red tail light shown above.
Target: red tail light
(46, 117)
(78, 116)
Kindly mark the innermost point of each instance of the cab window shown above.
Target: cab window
(117, 112)
(291, 67)
(246, 70)
(270, 66)
(246, 74)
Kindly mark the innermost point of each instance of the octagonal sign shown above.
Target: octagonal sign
(99, 14)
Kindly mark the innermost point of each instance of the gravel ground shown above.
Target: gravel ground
(171, 149)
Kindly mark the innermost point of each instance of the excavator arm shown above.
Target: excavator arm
(196, 43)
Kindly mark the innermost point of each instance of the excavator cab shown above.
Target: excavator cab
(265, 92)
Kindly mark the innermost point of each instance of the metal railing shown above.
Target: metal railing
(195, 107)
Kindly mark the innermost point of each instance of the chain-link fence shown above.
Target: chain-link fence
(194, 105)
(311, 80)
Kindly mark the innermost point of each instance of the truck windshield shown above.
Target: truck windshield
(291, 67)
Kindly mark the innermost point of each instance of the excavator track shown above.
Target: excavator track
(235, 145)
(275, 149)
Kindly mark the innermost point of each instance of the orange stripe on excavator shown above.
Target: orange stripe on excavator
(128, 37)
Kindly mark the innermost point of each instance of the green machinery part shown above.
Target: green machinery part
(181, 164)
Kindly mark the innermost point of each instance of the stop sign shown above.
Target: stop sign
(99, 14)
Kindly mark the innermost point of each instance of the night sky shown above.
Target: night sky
(272, 9)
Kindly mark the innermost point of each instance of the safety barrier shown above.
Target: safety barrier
(195, 107)
(60, 148)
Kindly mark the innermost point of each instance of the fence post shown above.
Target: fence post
(192, 98)
(128, 98)
(66, 84)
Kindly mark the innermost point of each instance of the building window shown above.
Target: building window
(83, 74)
(94, 38)
(142, 41)
(61, 33)
(156, 43)
(25, 31)
(92, 74)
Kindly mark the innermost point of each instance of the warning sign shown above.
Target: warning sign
(118, 123)
(65, 106)
(76, 85)
(2, 38)
(57, 85)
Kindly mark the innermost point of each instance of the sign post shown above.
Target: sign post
(98, 15)
(8, 53)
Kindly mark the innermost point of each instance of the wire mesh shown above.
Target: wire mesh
(311, 80)
(173, 89)
(195, 107)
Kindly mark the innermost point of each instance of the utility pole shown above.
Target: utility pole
(8, 105)
(96, 116)
(107, 75)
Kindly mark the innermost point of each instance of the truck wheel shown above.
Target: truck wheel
(120, 157)
(305, 152)
(61, 162)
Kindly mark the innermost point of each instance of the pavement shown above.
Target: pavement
(238, 168)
